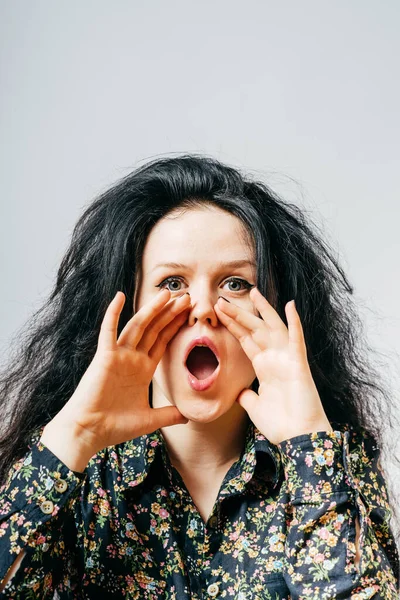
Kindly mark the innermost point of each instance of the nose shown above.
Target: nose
(203, 309)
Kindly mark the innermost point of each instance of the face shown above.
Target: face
(202, 240)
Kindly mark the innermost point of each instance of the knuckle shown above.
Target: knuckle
(243, 338)
(163, 338)
(138, 324)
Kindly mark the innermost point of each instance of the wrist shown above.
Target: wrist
(64, 441)
(314, 466)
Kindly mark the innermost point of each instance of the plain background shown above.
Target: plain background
(304, 94)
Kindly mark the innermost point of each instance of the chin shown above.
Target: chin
(201, 410)
(199, 407)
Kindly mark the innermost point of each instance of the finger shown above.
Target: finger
(241, 316)
(261, 335)
(166, 416)
(137, 324)
(108, 329)
(266, 310)
(168, 314)
(244, 336)
(296, 334)
(156, 352)
(248, 400)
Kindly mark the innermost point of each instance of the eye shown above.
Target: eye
(175, 281)
(167, 281)
(239, 281)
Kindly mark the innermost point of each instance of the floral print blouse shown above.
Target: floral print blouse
(282, 526)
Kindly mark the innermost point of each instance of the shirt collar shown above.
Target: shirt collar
(132, 460)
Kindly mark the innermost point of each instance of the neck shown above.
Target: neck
(207, 446)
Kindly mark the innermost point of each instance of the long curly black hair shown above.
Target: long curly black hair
(55, 347)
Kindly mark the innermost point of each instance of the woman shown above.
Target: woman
(182, 429)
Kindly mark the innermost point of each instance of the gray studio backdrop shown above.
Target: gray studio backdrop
(304, 94)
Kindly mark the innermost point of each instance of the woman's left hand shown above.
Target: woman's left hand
(287, 403)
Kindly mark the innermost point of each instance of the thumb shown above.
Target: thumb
(166, 416)
(247, 400)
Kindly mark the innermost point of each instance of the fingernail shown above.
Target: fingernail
(223, 299)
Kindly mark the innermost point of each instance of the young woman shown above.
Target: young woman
(176, 426)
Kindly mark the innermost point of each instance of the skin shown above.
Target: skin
(252, 340)
(214, 436)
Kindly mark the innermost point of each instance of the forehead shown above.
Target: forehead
(201, 234)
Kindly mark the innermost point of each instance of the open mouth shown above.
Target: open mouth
(201, 362)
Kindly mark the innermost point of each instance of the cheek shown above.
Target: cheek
(168, 366)
(238, 362)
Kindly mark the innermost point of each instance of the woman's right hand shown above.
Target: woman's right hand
(111, 402)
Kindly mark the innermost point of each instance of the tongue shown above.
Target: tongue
(201, 362)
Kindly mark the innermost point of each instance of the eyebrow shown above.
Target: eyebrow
(233, 264)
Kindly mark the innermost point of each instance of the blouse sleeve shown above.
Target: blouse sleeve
(36, 516)
(332, 478)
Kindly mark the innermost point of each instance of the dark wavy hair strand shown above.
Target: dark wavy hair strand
(54, 348)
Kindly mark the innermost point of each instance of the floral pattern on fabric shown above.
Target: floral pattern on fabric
(282, 526)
